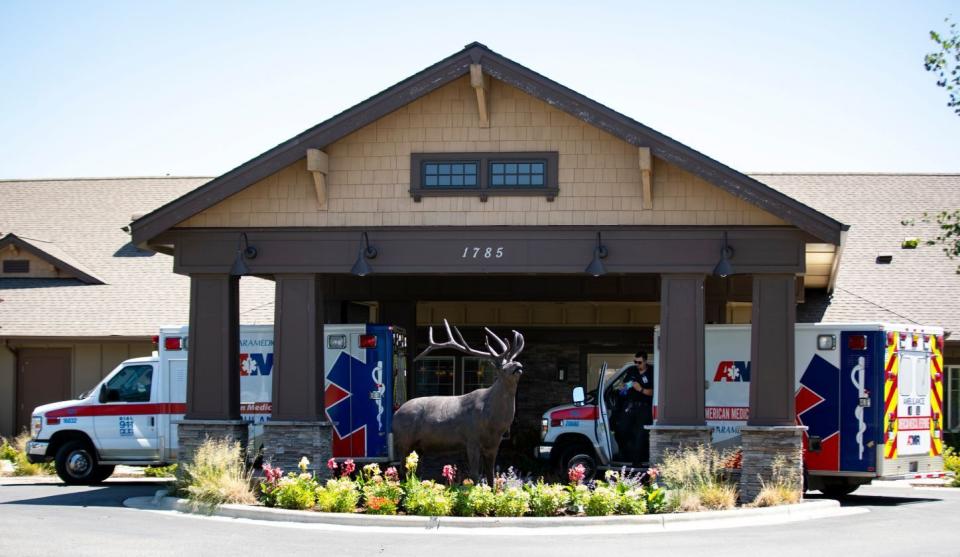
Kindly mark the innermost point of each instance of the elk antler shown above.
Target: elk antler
(455, 341)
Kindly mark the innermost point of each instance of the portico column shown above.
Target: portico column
(680, 412)
(213, 376)
(771, 438)
(297, 426)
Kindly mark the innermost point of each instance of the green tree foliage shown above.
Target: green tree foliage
(949, 236)
(945, 62)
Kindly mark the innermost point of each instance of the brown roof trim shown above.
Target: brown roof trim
(527, 80)
(24, 244)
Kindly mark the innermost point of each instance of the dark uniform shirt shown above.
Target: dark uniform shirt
(645, 380)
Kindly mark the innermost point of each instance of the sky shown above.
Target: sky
(98, 89)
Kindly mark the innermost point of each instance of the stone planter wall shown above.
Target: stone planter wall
(762, 445)
(191, 433)
(285, 443)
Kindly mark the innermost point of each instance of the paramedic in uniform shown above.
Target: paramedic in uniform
(637, 391)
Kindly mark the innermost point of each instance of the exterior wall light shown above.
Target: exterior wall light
(723, 268)
(596, 268)
(361, 268)
(244, 251)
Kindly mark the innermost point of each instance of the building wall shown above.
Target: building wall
(90, 362)
(369, 175)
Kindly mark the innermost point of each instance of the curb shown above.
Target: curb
(799, 511)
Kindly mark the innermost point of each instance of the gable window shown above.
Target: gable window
(16, 266)
(484, 174)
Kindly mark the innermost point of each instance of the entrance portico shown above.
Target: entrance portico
(362, 187)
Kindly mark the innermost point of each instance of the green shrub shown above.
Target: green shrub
(160, 471)
(547, 499)
(951, 461)
(16, 453)
(578, 495)
(656, 499)
(7, 452)
(632, 501)
(295, 492)
(511, 501)
(475, 500)
(382, 496)
(338, 496)
(428, 498)
(602, 501)
(216, 475)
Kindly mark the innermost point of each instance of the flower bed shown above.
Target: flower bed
(374, 491)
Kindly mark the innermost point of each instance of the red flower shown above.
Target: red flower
(332, 464)
(348, 467)
(449, 473)
(392, 474)
(576, 473)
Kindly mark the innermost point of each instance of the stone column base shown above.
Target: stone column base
(286, 442)
(764, 446)
(191, 433)
(671, 438)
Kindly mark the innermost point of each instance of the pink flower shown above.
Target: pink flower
(332, 464)
(652, 473)
(348, 467)
(392, 474)
(449, 473)
(272, 474)
(577, 473)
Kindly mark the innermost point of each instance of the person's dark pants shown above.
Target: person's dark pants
(641, 445)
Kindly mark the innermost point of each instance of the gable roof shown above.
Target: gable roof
(919, 285)
(499, 67)
(81, 221)
(53, 254)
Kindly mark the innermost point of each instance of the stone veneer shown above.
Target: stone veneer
(286, 442)
(191, 433)
(761, 447)
(668, 438)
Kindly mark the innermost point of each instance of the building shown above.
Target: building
(487, 190)
(76, 297)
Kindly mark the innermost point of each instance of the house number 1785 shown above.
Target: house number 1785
(487, 252)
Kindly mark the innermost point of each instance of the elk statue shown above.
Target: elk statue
(475, 421)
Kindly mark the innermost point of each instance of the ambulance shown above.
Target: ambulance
(869, 394)
(131, 416)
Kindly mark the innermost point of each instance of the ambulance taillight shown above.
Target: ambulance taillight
(172, 343)
(857, 342)
(368, 341)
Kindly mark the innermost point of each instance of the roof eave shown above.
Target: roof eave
(499, 67)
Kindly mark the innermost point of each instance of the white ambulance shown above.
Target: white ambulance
(130, 416)
(869, 394)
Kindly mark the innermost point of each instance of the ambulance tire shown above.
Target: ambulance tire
(838, 490)
(103, 472)
(578, 453)
(76, 464)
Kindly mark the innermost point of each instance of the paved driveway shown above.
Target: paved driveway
(54, 519)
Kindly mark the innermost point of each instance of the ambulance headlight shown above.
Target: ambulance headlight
(36, 424)
(826, 342)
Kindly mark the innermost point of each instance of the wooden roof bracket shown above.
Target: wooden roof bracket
(481, 85)
(318, 163)
(646, 176)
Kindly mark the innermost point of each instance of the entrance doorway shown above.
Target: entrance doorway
(43, 375)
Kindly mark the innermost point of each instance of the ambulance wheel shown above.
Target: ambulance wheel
(76, 464)
(580, 453)
(103, 472)
(838, 490)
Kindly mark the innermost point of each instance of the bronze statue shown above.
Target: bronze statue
(475, 421)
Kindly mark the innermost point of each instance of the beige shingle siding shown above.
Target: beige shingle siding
(84, 218)
(369, 174)
(920, 285)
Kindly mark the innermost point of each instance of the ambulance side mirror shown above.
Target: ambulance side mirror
(578, 396)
